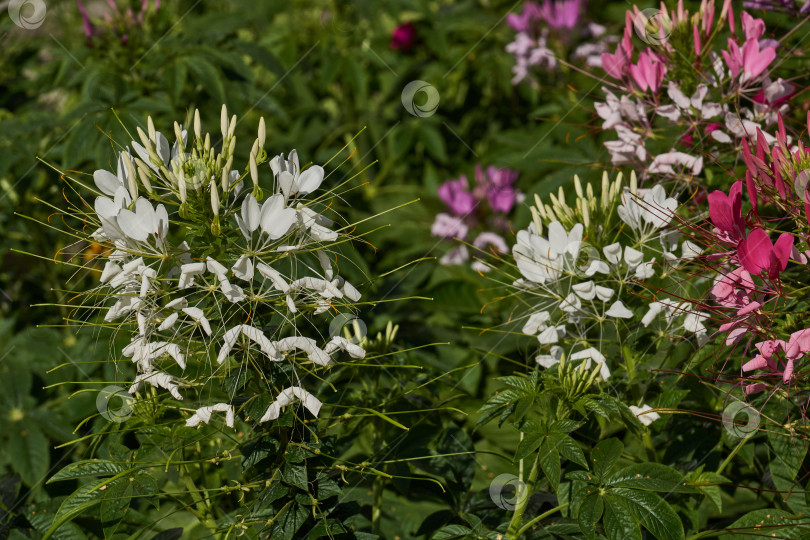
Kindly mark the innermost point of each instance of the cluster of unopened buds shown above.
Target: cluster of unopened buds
(712, 92)
(196, 262)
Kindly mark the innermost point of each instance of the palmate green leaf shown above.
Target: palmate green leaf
(564, 426)
(533, 436)
(712, 492)
(604, 456)
(767, 522)
(786, 458)
(526, 385)
(41, 516)
(28, 450)
(76, 503)
(550, 461)
(327, 528)
(567, 447)
(590, 511)
(87, 467)
(145, 486)
(618, 523)
(651, 510)
(290, 520)
(295, 475)
(649, 477)
(115, 500)
(498, 404)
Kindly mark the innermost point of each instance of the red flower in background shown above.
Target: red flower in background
(403, 37)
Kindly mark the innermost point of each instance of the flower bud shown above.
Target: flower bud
(605, 190)
(232, 126)
(144, 139)
(178, 133)
(214, 199)
(538, 223)
(181, 186)
(586, 215)
(254, 170)
(144, 176)
(223, 121)
(226, 180)
(132, 179)
(262, 132)
(151, 127)
(197, 127)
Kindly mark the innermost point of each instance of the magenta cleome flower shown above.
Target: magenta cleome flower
(477, 211)
(457, 196)
(757, 253)
(725, 212)
(649, 72)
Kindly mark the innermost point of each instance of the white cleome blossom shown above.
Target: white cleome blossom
(289, 395)
(203, 414)
(582, 282)
(208, 265)
(645, 414)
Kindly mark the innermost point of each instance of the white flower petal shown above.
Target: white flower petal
(618, 310)
(310, 180)
(643, 415)
(613, 253)
(243, 268)
(632, 257)
(585, 290)
(604, 293)
(536, 323)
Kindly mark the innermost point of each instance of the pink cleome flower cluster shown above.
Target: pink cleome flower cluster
(546, 31)
(116, 21)
(481, 208)
(752, 298)
(715, 92)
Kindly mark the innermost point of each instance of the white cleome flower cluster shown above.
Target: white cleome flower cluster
(210, 280)
(575, 288)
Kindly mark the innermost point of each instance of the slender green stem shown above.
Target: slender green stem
(648, 445)
(734, 452)
(376, 509)
(542, 516)
(523, 500)
(202, 508)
